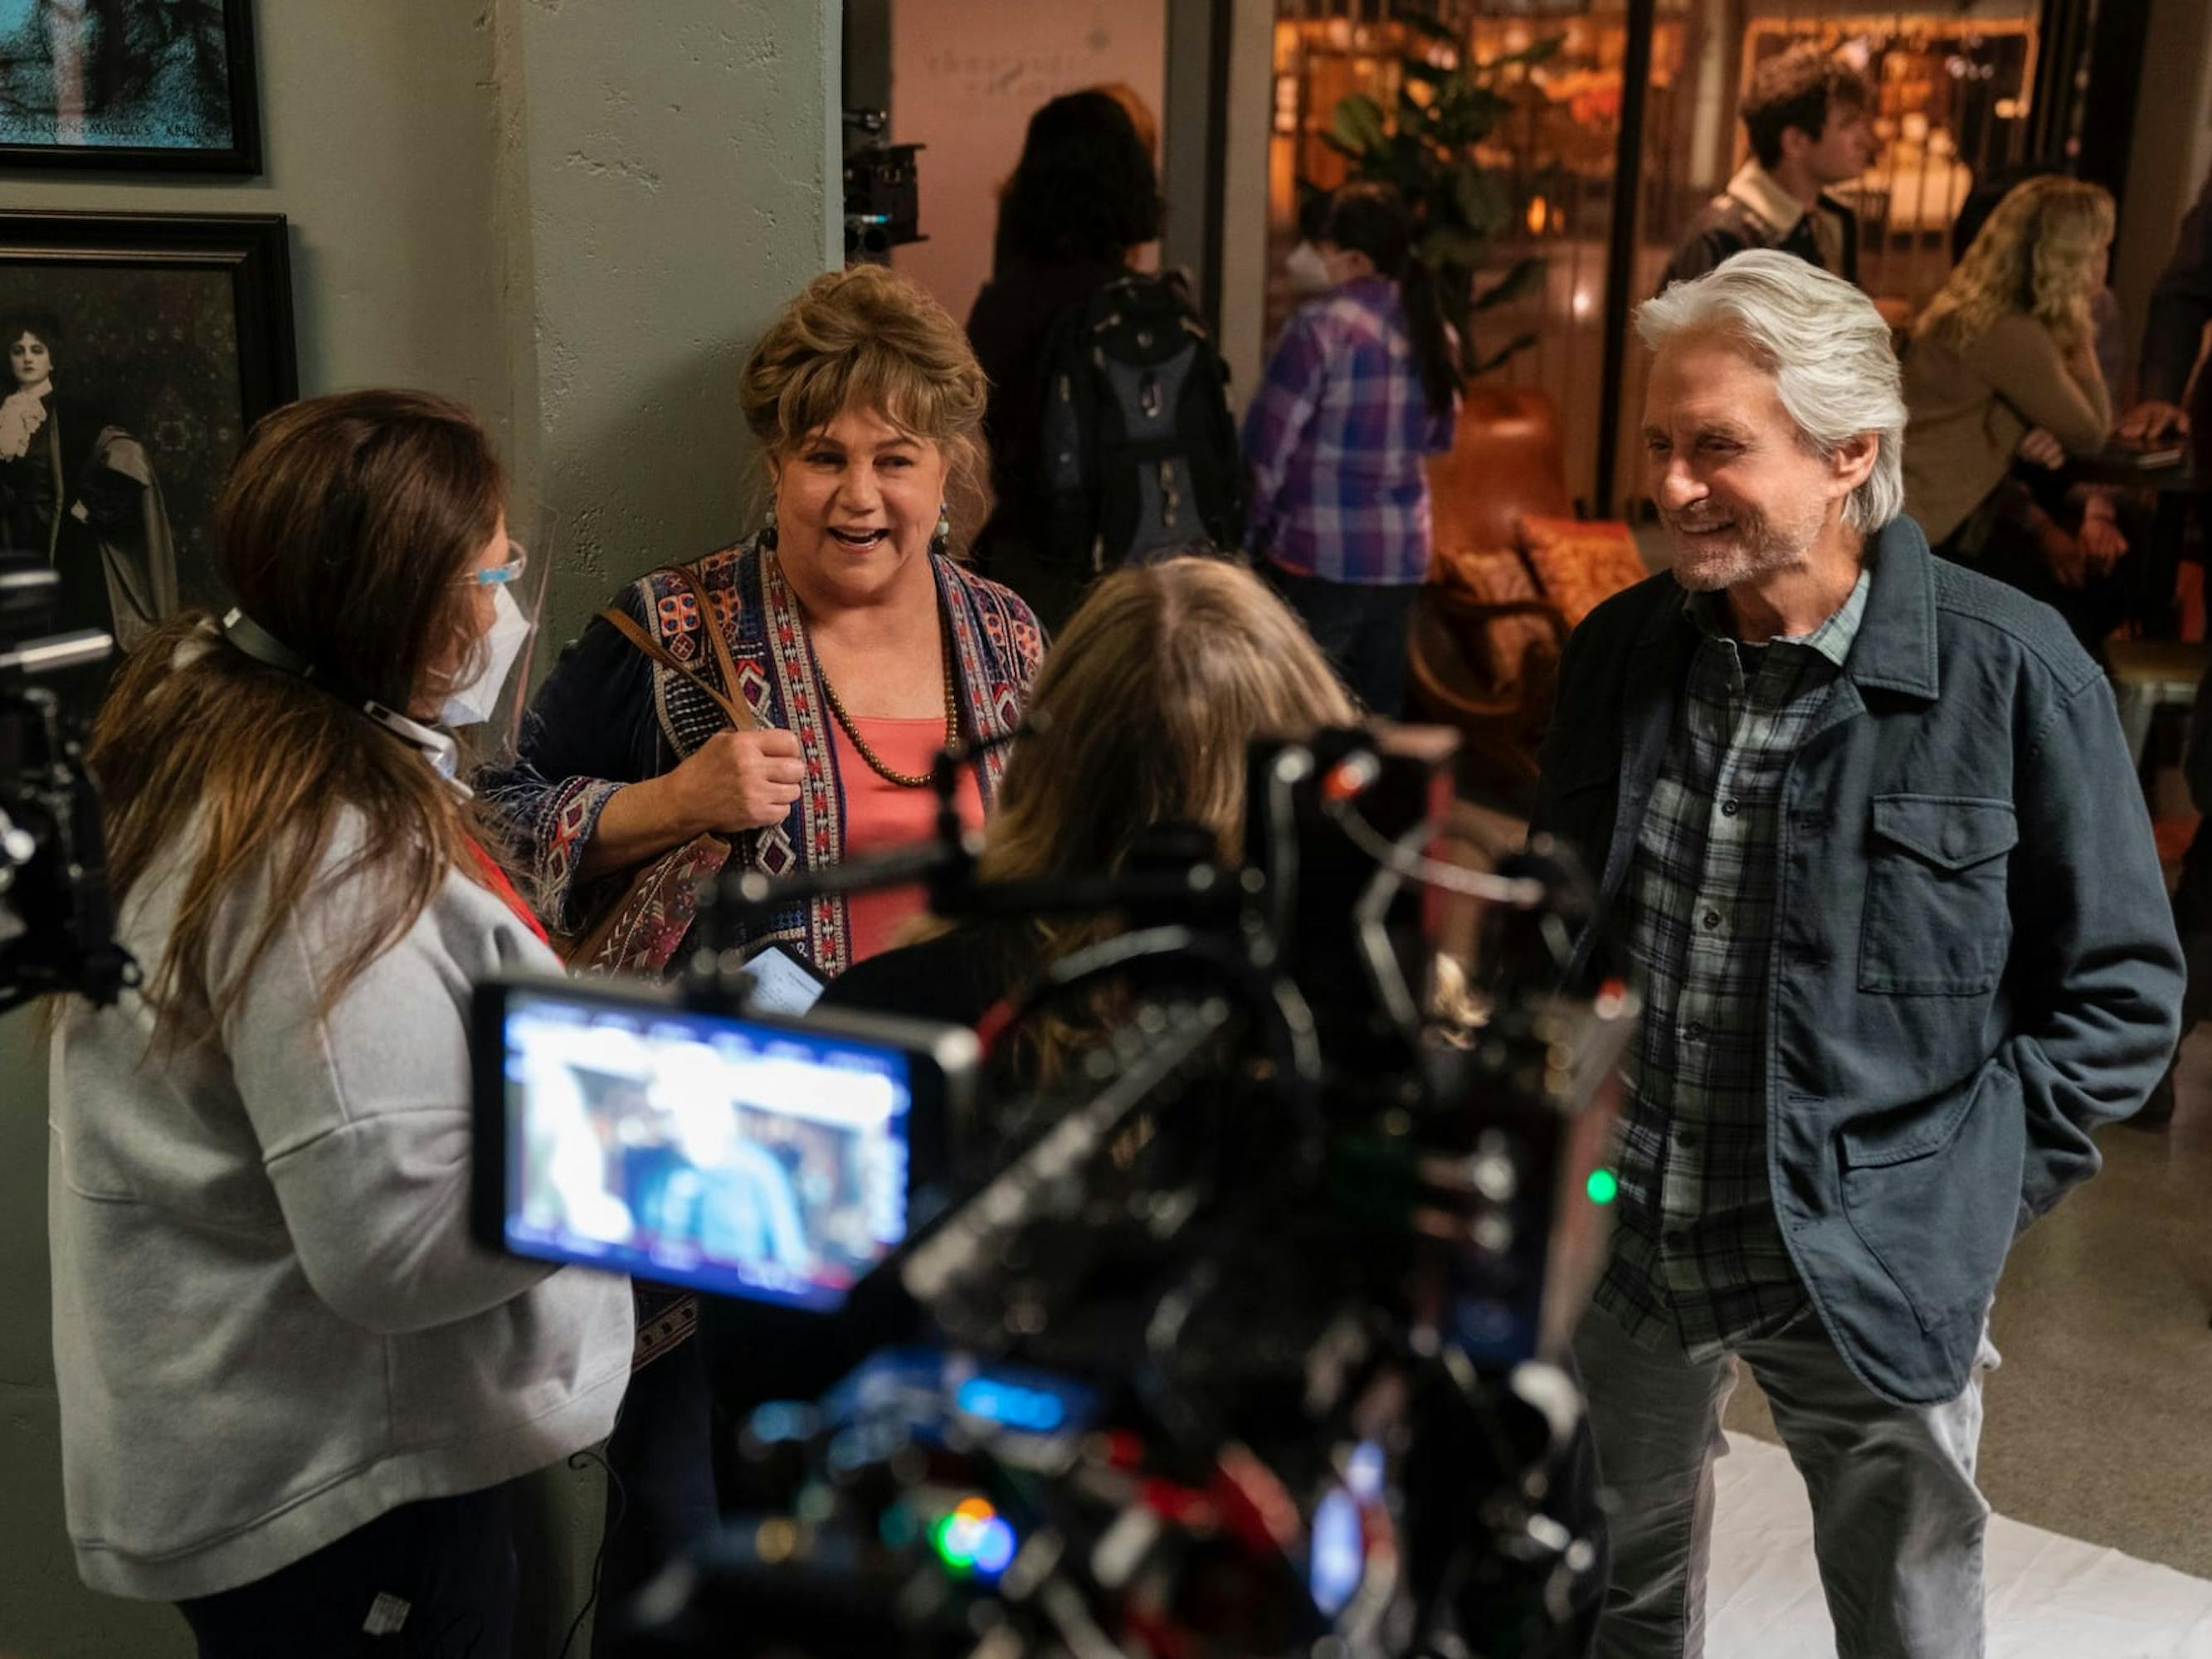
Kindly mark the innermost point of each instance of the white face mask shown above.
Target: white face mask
(470, 704)
(1307, 270)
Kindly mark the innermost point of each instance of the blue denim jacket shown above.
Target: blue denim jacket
(1974, 962)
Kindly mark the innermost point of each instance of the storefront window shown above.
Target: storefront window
(1951, 93)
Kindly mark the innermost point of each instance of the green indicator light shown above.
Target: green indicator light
(956, 1538)
(1602, 1187)
(937, 1538)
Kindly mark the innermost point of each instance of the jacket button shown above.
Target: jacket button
(1730, 809)
(1674, 1238)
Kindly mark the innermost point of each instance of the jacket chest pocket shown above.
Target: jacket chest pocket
(1936, 921)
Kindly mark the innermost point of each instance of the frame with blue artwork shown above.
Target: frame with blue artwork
(134, 85)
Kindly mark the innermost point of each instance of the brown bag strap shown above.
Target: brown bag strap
(733, 707)
(725, 665)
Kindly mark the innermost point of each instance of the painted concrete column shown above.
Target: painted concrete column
(674, 181)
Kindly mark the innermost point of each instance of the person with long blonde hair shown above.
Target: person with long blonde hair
(294, 1390)
(1142, 713)
(1145, 709)
(1141, 722)
(2009, 348)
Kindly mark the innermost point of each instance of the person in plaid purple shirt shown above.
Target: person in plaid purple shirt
(1363, 385)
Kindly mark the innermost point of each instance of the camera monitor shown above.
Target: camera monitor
(761, 1157)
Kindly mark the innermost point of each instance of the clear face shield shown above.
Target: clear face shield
(486, 702)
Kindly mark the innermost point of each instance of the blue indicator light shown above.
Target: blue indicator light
(1363, 1472)
(1339, 1558)
(1034, 1411)
(995, 1548)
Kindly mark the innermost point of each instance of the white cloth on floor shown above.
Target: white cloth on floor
(2050, 1597)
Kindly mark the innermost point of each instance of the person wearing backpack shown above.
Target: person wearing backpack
(1364, 384)
(1083, 194)
(1111, 439)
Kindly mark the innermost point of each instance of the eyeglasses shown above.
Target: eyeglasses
(518, 560)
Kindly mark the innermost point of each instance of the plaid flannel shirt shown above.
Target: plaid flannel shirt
(1334, 440)
(1697, 1250)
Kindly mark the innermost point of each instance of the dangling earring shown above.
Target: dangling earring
(943, 544)
(767, 530)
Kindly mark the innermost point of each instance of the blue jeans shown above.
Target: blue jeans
(1896, 1519)
(1360, 627)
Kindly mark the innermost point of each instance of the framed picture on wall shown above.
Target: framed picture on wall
(142, 84)
(139, 349)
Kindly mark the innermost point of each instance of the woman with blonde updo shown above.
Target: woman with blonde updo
(842, 635)
(2008, 348)
(777, 703)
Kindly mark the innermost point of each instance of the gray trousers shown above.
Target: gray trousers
(1896, 1519)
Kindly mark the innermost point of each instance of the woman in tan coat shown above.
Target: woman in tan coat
(2002, 366)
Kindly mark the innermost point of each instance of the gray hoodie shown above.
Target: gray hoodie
(270, 1325)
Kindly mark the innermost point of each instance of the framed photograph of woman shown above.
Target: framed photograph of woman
(139, 348)
(142, 84)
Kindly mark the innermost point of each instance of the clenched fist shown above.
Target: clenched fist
(739, 780)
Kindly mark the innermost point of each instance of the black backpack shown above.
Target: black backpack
(1137, 446)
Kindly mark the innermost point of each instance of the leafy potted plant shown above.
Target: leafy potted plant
(1446, 106)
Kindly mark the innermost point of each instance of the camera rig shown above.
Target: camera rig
(1250, 1346)
(883, 188)
(56, 926)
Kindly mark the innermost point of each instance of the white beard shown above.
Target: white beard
(1752, 548)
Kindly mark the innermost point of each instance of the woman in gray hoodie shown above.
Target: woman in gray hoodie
(293, 1391)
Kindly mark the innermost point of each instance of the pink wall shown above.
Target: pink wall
(966, 75)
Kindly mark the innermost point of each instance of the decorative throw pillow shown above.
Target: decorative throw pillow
(1498, 576)
(1580, 563)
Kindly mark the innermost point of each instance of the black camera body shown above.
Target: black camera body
(56, 926)
(1238, 1337)
(883, 190)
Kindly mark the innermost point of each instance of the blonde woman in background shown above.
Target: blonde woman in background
(2009, 348)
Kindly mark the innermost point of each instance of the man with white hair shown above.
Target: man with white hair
(1867, 832)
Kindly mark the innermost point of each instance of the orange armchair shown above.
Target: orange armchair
(1505, 460)
(1513, 573)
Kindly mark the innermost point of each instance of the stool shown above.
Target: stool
(2148, 675)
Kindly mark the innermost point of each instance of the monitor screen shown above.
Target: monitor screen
(732, 1155)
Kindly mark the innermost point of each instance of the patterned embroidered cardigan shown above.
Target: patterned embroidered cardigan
(607, 716)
